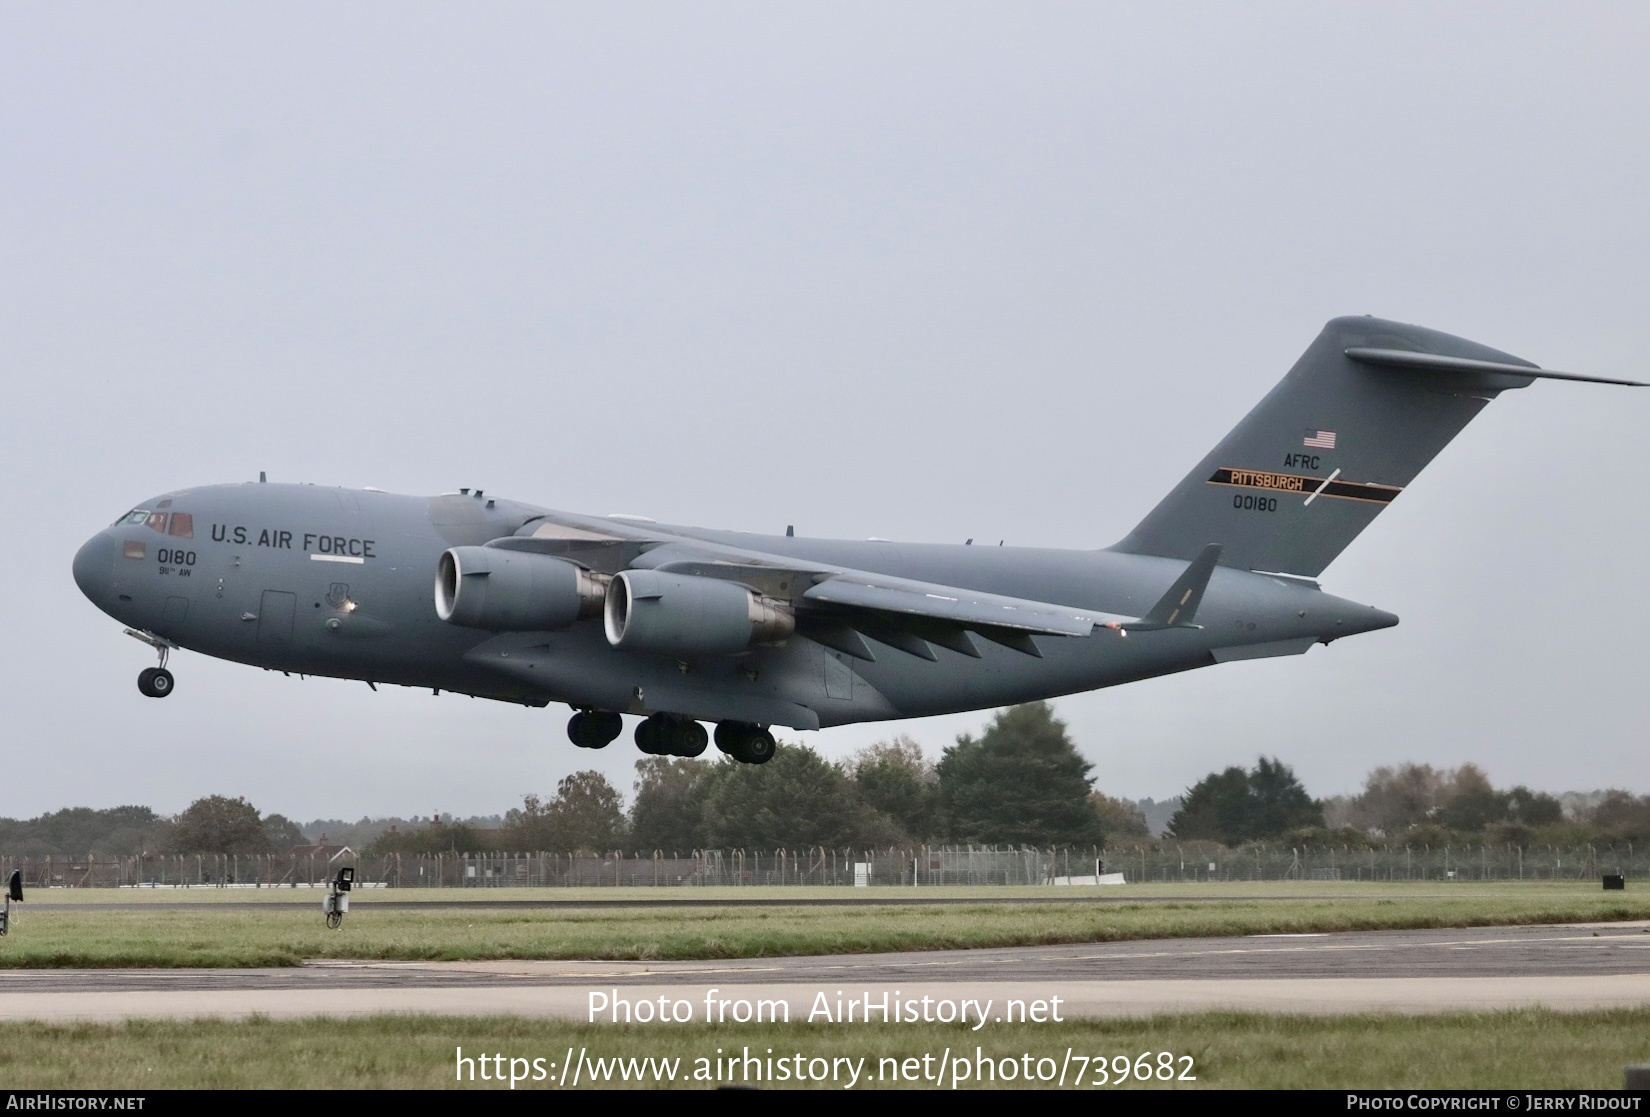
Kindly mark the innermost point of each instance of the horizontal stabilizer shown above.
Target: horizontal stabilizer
(1433, 362)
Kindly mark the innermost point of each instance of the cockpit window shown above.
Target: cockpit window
(135, 516)
(182, 525)
(156, 522)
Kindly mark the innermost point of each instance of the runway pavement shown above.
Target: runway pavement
(1568, 967)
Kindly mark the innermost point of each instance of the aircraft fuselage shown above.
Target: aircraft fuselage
(338, 582)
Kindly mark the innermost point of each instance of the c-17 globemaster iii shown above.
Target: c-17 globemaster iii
(620, 615)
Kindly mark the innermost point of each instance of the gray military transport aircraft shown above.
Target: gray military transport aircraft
(682, 625)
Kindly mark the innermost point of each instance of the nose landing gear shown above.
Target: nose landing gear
(154, 682)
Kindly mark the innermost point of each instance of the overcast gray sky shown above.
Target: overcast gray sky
(924, 271)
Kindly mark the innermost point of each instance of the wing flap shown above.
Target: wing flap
(963, 608)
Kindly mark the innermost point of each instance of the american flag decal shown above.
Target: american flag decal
(1319, 440)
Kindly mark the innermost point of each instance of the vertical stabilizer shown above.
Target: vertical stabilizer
(1334, 443)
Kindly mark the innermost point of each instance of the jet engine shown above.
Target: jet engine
(683, 615)
(514, 591)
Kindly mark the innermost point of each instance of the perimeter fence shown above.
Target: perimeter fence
(923, 866)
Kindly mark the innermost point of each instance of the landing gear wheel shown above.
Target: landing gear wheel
(730, 737)
(691, 739)
(746, 743)
(605, 727)
(759, 747)
(671, 735)
(594, 729)
(155, 682)
(650, 736)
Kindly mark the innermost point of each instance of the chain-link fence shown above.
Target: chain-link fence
(923, 866)
(1384, 863)
(819, 866)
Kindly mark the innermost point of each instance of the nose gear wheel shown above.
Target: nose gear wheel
(155, 682)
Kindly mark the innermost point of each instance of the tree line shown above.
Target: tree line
(1021, 781)
(1407, 804)
(214, 824)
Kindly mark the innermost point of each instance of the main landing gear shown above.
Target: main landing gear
(746, 743)
(594, 729)
(671, 735)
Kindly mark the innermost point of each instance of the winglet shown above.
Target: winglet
(1177, 608)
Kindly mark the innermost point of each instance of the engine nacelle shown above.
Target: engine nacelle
(683, 615)
(514, 591)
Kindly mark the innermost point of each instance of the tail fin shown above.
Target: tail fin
(1366, 407)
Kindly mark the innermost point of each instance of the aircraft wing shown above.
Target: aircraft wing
(925, 613)
(844, 591)
(841, 606)
(838, 605)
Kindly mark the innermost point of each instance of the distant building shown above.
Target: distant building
(323, 850)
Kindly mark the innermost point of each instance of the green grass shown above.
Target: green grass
(1530, 1049)
(209, 934)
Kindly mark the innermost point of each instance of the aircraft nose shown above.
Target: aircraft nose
(94, 566)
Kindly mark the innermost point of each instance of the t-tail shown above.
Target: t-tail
(1366, 407)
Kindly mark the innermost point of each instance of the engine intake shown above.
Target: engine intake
(680, 614)
(514, 591)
